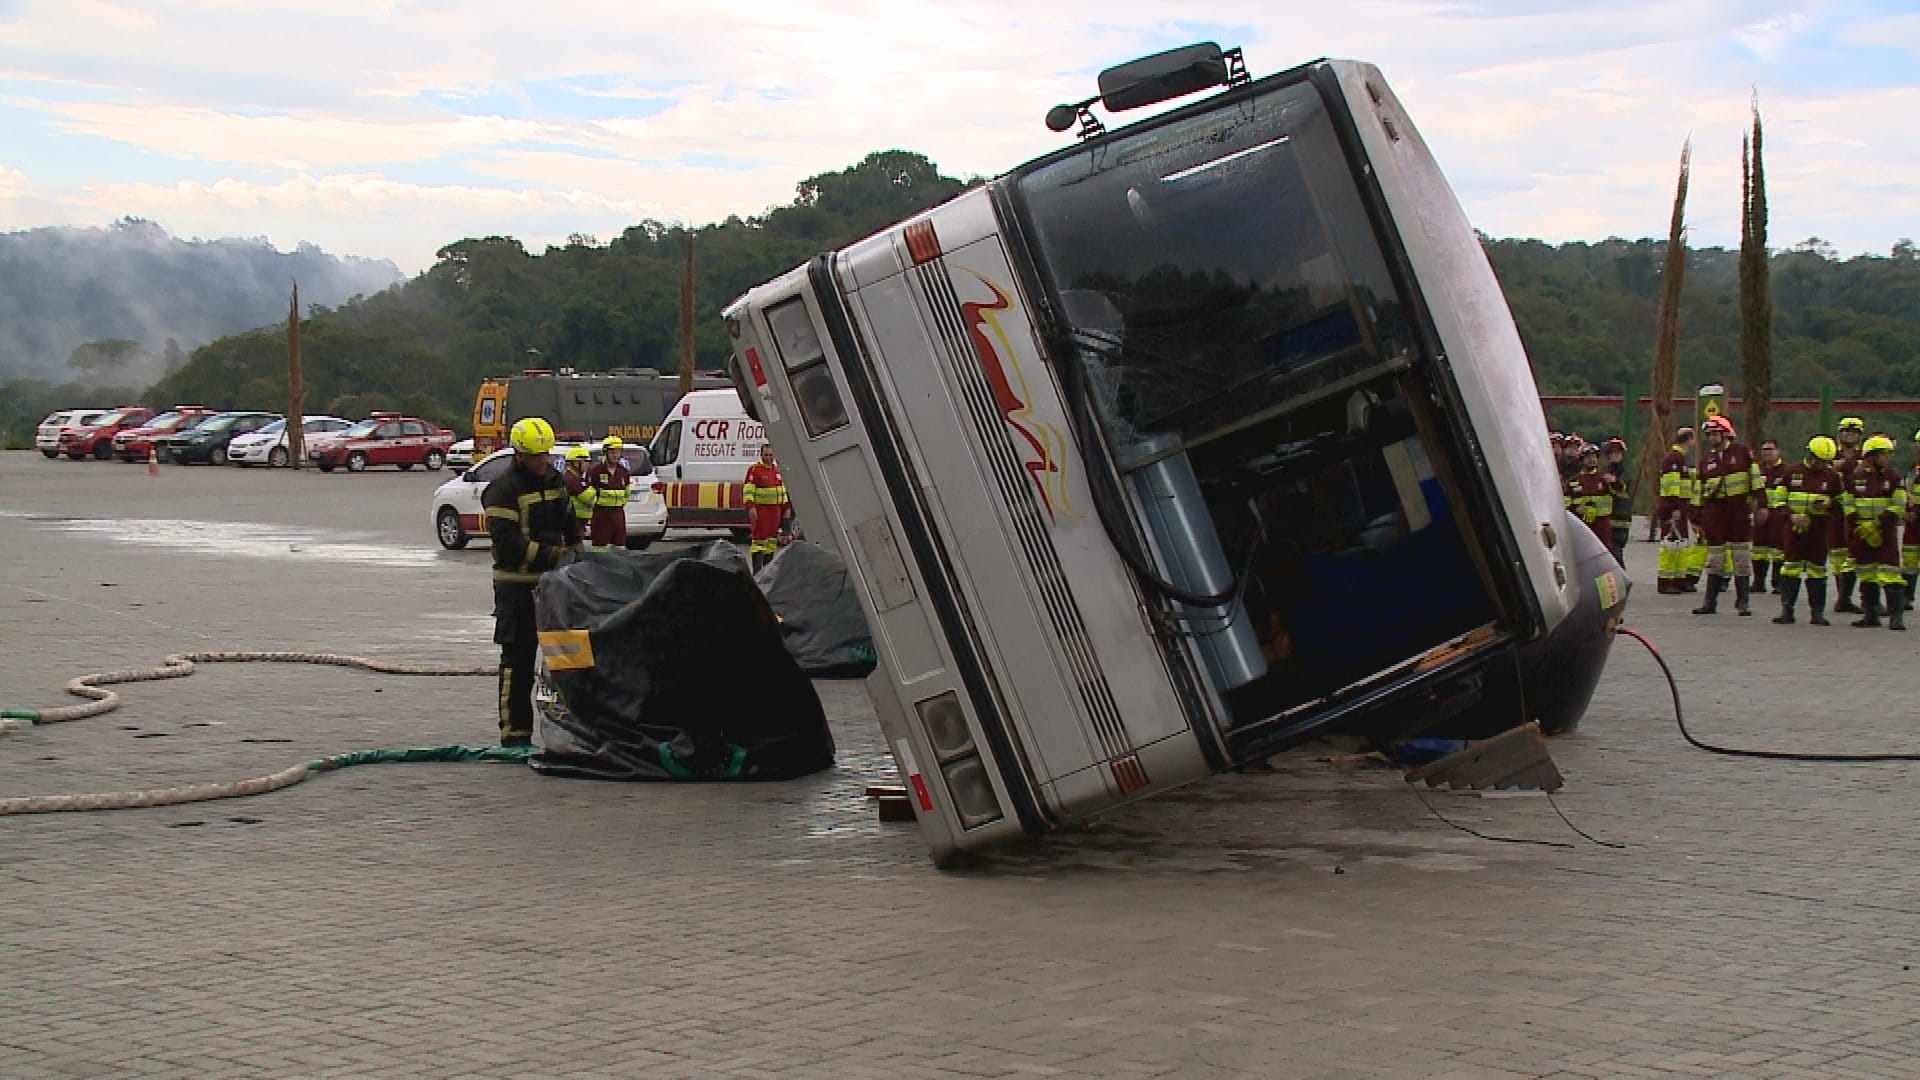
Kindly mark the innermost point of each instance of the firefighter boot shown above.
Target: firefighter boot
(1711, 605)
(1906, 598)
(1789, 590)
(1896, 608)
(1845, 605)
(1742, 590)
(1870, 603)
(1817, 601)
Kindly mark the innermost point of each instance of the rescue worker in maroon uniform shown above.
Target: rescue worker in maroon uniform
(1616, 452)
(1589, 494)
(610, 479)
(1851, 432)
(1670, 512)
(579, 492)
(1729, 478)
(766, 496)
(1875, 501)
(1807, 497)
(1769, 529)
(1910, 531)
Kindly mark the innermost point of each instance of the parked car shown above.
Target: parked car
(385, 439)
(460, 455)
(207, 441)
(95, 440)
(457, 516)
(134, 444)
(46, 437)
(268, 446)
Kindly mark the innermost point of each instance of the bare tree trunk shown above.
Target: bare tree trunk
(296, 445)
(1666, 336)
(686, 322)
(1756, 294)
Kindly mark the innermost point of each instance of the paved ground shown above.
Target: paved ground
(481, 920)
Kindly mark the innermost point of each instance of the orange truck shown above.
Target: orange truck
(582, 406)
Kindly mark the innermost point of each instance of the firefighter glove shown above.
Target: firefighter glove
(1801, 523)
(1868, 531)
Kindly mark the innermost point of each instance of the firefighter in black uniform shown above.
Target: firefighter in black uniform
(531, 523)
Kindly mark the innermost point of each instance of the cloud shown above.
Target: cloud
(1555, 118)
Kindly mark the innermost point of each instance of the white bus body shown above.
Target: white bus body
(1175, 448)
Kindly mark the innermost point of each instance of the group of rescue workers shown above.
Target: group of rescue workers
(537, 517)
(1734, 516)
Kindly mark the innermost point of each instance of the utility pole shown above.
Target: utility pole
(296, 444)
(686, 323)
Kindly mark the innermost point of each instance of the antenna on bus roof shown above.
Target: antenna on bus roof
(1151, 80)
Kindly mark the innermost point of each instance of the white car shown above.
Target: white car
(457, 516)
(460, 455)
(268, 446)
(46, 437)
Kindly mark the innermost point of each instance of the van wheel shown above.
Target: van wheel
(357, 462)
(435, 459)
(277, 457)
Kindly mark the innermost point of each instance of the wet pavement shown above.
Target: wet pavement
(480, 920)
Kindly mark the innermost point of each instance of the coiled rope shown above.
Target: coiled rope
(181, 665)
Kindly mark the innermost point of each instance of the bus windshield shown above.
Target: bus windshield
(1214, 268)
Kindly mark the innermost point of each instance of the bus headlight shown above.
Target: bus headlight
(971, 791)
(819, 400)
(945, 723)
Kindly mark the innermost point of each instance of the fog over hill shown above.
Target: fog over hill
(125, 304)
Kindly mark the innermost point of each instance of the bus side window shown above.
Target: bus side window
(666, 445)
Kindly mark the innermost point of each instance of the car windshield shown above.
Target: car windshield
(113, 417)
(217, 423)
(364, 427)
(274, 428)
(165, 419)
(1213, 270)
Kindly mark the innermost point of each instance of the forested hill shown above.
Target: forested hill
(124, 304)
(1586, 310)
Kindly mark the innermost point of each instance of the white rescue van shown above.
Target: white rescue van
(700, 458)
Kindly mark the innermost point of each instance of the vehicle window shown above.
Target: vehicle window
(487, 407)
(637, 459)
(164, 419)
(666, 445)
(414, 427)
(599, 398)
(1210, 274)
(579, 397)
(274, 428)
(387, 431)
(362, 429)
(488, 471)
(113, 417)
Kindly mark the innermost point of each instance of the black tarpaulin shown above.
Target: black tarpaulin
(670, 666)
(820, 617)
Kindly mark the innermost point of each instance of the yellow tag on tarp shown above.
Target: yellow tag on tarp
(1606, 584)
(566, 650)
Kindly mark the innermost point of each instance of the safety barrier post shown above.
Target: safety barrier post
(1826, 408)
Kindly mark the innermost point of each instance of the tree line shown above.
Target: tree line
(1586, 311)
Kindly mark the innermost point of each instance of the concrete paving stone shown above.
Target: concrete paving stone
(438, 920)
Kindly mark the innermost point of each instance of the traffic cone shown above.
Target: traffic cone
(153, 461)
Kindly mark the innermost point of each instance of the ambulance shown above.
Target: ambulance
(1176, 447)
(700, 458)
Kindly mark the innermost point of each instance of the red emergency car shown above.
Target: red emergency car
(384, 439)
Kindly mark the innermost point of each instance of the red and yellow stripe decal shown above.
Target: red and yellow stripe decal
(708, 502)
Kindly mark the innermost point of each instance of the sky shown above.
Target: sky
(389, 128)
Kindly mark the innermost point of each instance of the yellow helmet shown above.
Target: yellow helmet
(576, 453)
(532, 436)
(1852, 423)
(1875, 444)
(1823, 447)
(612, 442)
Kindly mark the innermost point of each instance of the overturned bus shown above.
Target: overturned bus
(1176, 447)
